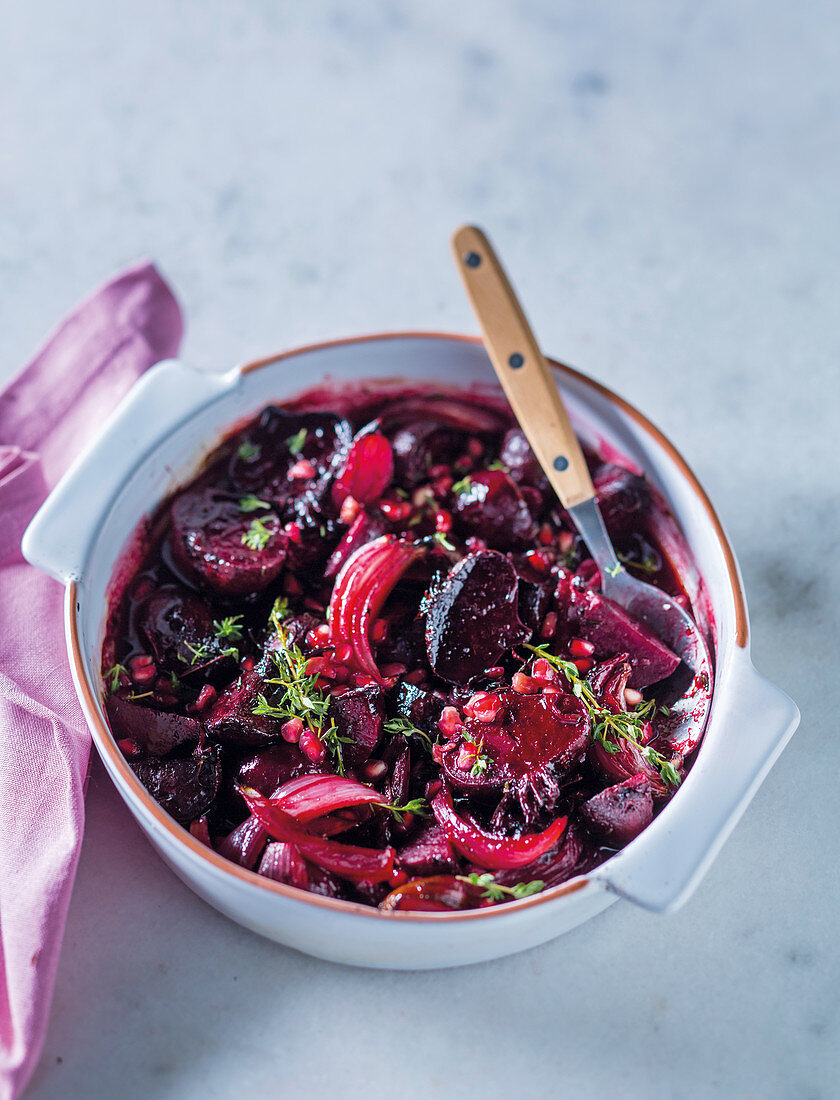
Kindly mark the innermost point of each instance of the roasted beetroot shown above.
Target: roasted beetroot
(363, 654)
(472, 621)
(216, 543)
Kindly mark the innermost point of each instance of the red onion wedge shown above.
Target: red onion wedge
(495, 853)
(367, 470)
(361, 589)
(345, 860)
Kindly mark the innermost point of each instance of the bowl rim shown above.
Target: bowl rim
(216, 863)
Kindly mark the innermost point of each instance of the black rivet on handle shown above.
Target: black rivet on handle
(561, 463)
(516, 360)
(472, 259)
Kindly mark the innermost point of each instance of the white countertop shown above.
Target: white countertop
(662, 181)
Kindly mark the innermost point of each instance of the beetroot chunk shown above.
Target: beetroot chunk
(270, 768)
(618, 814)
(187, 788)
(419, 446)
(157, 731)
(177, 624)
(623, 497)
(232, 718)
(265, 452)
(428, 851)
(214, 542)
(611, 630)
(472, 621)
(493, 507)
(358, 714)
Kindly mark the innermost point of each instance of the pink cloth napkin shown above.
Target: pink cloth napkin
(47, 415)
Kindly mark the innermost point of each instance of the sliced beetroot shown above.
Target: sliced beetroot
(623, 498)
(283, 863)
(265, 451)
(472, 621)
(154, 730)
(520, 461)
(612, 631)
(533, 741)
(367, 470)
(210, 542)
(269, 768)
(231, 719)
(186, 788)
(492, 506)
(364, 529)
(420, 445)
(428, 851)
(177, 624)
(358, 715)
(618, 814)
(421, 707)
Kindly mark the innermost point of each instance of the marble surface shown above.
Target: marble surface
(662, 179)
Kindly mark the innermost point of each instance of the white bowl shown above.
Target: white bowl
(156, 439)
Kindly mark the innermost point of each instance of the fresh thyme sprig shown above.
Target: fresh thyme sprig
(248, 450)
(481, 761)
(257, 535)
(417, 807)
(402, 727)
(461, 486)
(296, 693)
(112, 677)
(496, 892)
(440, 538)
(648, 564)
(296, 442)
(607, 727)
(252, 503)
(199, 652)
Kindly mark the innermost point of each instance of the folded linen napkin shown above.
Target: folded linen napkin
(47, 414)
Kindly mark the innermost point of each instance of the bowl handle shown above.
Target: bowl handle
(661, 868)
(59, 537)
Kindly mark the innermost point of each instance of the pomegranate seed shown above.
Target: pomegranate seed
(549, 625)
(632, 698)
(442, 485)
(437, 753)
(142, 669)
(398, 878)
(318, 637)
(467, 754)
(416, 676)
(343, 654)
(475, 447)
(494, 671)
(374, 769)
(488, 708)
(315, 666)
(379, 630)
(450, 723)
(443, 520)
(294, 532)
(205, 698)
(395, 669)
(469, 706)
(395, 510)
(291, 730)
(247, 663)
(583, 665)
(523, 684)
(475, 545)
(302, 468)
(579, 647)
(291, 585)
(551, 689)
(361, 680)
(340, 674)
(129, 748)
(542, 670)
(441, 470)
(565, 541)
(350, 508)
(537, 560)
(312, 746)
(546, 535)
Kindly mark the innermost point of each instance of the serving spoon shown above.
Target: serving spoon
(536, 402)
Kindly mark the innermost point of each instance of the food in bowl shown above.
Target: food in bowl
(365, 654)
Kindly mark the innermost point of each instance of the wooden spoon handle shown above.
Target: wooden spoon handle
(521, 368)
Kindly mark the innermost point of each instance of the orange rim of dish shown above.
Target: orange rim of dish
(107, 745)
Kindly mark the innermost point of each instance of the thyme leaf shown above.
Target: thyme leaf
(496, 892)
(249, 451)
(402, 727)
(112, 677)
(257, 535)
(252, 503)
(296, 442)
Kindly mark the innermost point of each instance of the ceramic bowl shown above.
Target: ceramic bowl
(156, 439)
